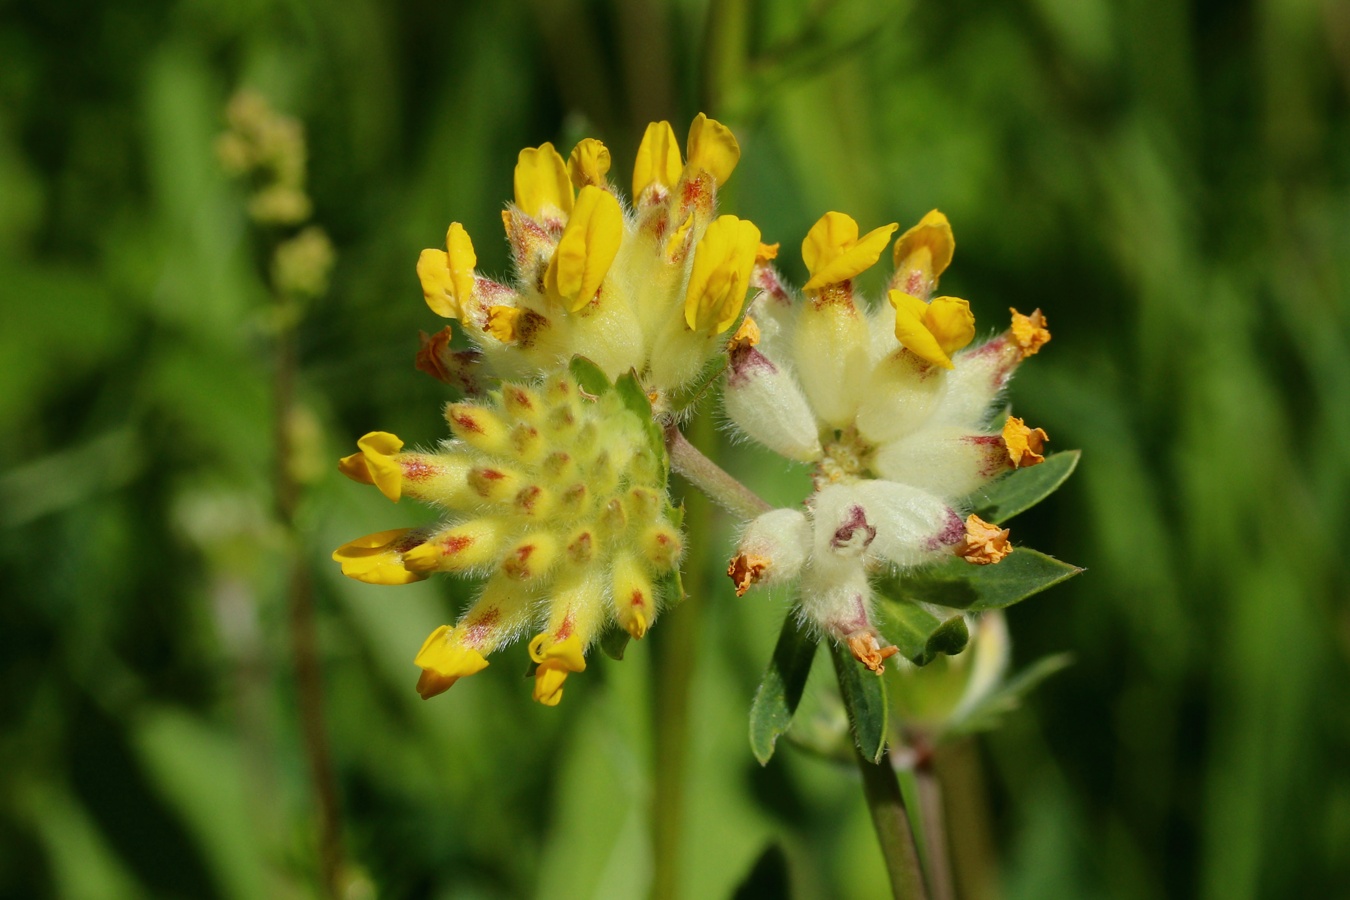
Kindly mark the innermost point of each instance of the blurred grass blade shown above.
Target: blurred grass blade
(959, 585)
(781, 688)
(864, 697)
(1024, 488)
(920, 635)
(988, 712)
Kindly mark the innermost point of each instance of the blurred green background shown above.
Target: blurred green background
(1169, 180)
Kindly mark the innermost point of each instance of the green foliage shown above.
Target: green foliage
(956, 584)
(1022, 489)
(864, 695)
(780, 690)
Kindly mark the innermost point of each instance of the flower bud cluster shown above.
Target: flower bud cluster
(893, 409)
(557, 495)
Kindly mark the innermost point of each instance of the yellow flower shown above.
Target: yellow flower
(447, 275)
(721, 274)
(586, 249)
(658, 159)
(443, 661)
(555, 661)
(713, 148)
(378, 558)
(588, 163)
(376, 464)
(932, 331)
(834, 253)
(543, 187)
(922, 254)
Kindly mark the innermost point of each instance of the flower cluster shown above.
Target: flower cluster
(647, 290)
(556, 481)
(560, 502)
(893, 409)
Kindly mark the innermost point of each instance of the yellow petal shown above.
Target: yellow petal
(912, 331)
(951, 322)
(433, 270)
(923, 253)
(833, 252)
(378, 558)
(502, 321)
(720, 275)
(443, 661)
(713, 148)
(541, 182)
(658, 159)
(377, 463)
(555, 662)
(586, 249)
(588, 163)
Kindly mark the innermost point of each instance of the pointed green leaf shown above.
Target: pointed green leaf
(589, 376)
(920, 635)
(958, 585)
(614, 642)
(864, 696)
(1020, 490)
(781, 688)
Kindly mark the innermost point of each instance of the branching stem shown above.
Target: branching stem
(712, 479)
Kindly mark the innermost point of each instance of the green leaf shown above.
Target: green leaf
(633, 396)
(781, 688)
(990, 710)
(1021, 490)
(590, 377)
(636, 401)
(614, 642)
(864, 697)
(920, 635)
(958, 585)
(671, 585)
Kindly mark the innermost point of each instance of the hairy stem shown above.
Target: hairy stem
(891, 822)
(712, 479)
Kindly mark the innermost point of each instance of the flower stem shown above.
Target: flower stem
(712, 479)
(894, 833)
(934, 820)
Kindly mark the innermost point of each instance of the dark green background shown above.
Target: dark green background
(1168, 180)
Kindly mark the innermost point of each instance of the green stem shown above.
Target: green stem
(675, 655)
(712, 479)
(891, 822)
(302, 621)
